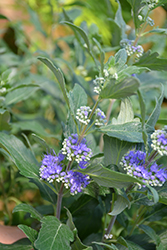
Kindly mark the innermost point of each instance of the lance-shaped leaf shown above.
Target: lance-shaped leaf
(120, 21)
(80, 31)
(120, 205)
(54, 235)
(121, 89)
(58, 74)
(156, 112)
(21, 156)
(152, 61)
(130, 131)
(28, 209)
(23, 244)
(4, 120)
(137, 6)
(29, 232)
(120, 59)
(129, 244)
(19, 94)
(35, 127)
(107, 246)
(109, 178)
(151, 233)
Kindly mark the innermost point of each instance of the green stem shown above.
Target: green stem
(141, 212)
(90, 116)
(59, 201)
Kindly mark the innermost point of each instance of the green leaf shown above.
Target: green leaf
(29, 232)
(136, 5)
(111, 246)
(4, 120)
(152, 61)
(53, 235)
(23, 244)
(21, 156)
(121, 89)
(28, 209)
(120, 205)
(77, 98)
(3, 17)
(120, 21)
(109, 178)
(156, 112)
(120, 59)
(35, 20)
(35, 127)
(41, 141)
(77, 244)
(19, 94)
(80, 31)
(129, 70)
(114, 149)
(129, 244)
(58, 74)
(46, 189)
(130, 131)
(126, 113)
(116, 32)
(151, 233)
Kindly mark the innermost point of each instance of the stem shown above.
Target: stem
(111, 224)
(141, 211)
(59, 201)
(112, 221)
(90, 116)
(101, 144)
(152, 157)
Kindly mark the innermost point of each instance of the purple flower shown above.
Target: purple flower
(76, 181)
(159, 141)
(134, 162)
(100, 117)
(83, 114)
(51, 167)
(75, 150)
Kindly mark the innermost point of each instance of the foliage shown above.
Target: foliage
(99, 181)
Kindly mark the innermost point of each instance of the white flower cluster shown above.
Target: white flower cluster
(98, 82)
(159, 141)
(108, 236)
(152, 3)
(83, 114)
(100, 117)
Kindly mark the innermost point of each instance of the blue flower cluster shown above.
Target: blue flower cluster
(131, 49)
(159, 141)
(75, 181)
(53, 166)
(100, 117)
(75, 150)
(134, 162)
